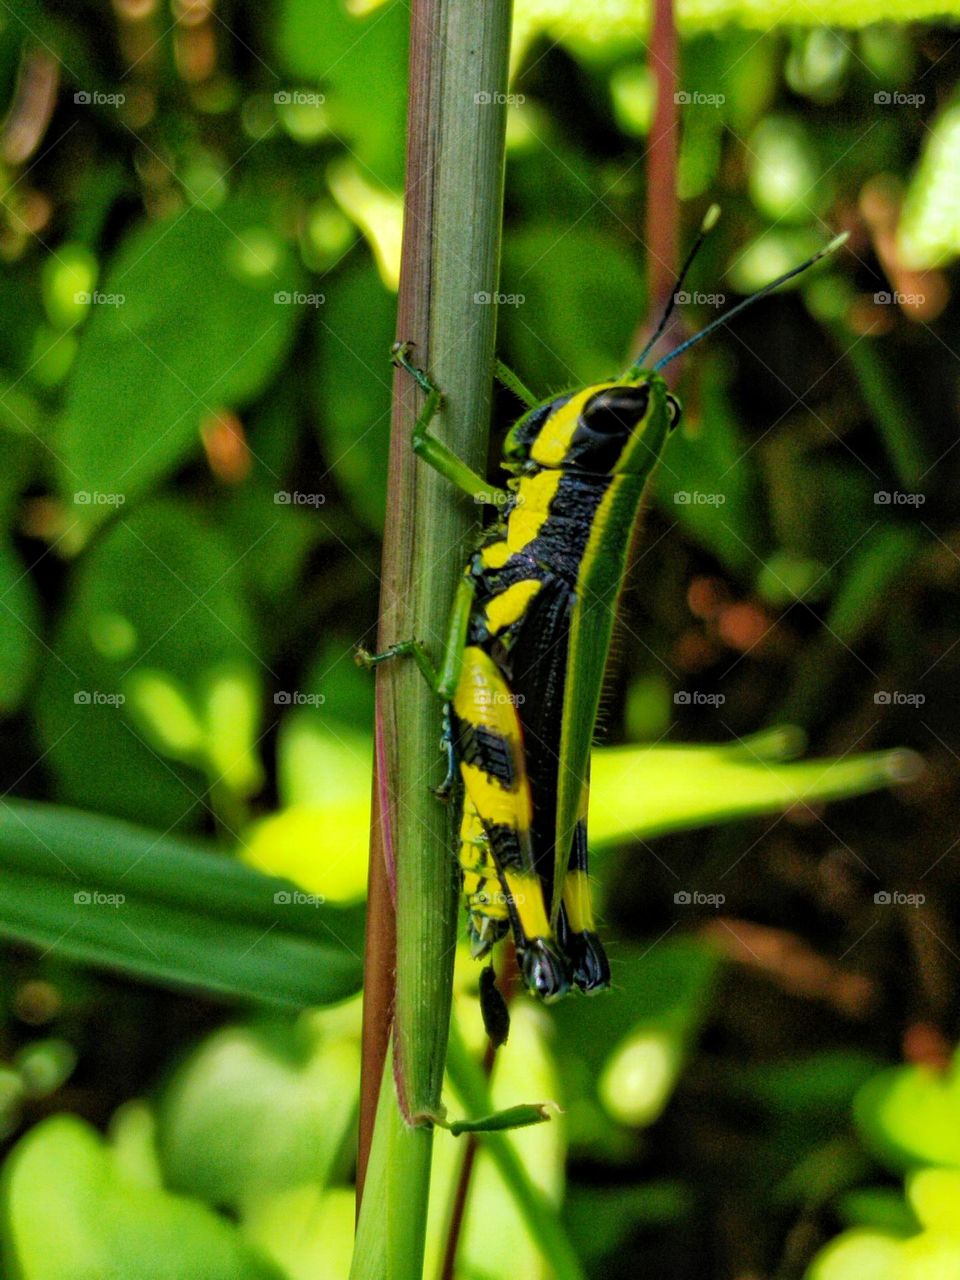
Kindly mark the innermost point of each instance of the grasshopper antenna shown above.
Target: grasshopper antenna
(706, 226)
(834, 244)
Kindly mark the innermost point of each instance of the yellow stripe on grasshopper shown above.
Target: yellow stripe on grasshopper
(534, 495)
(510, 605)
(578, 901)
(552, 445)
(499, 806)
(527, 895)
(495, 554)
(483, 699)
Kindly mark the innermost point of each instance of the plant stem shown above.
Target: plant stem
(458, 69)
(662, 216)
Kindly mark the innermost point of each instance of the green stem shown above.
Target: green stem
(542, 1220)
(458, 71)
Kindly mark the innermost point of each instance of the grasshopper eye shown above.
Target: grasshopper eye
(674, 413)
(608, 420)
(616, 411)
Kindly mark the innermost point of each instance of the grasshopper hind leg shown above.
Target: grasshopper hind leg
(578, 940)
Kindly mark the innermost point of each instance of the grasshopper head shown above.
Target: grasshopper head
(610, 428)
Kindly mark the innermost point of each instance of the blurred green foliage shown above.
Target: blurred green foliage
(200, 238)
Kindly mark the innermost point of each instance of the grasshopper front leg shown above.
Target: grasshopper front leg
(433, 451)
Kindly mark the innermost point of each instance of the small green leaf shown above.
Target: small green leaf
(518, 1117)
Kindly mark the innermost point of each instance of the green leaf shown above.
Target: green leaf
(309, 1232)
(193, 326)
(517, 1117)
(911, 1116)
(859, 1255)
(929, 231)
(258, 1110)
(613, 27)
(107, 893)
(156, 615)
(347, 53)
(69, 1213)
(646, 791)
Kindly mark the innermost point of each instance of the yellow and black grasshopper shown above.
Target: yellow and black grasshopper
(530, 630)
